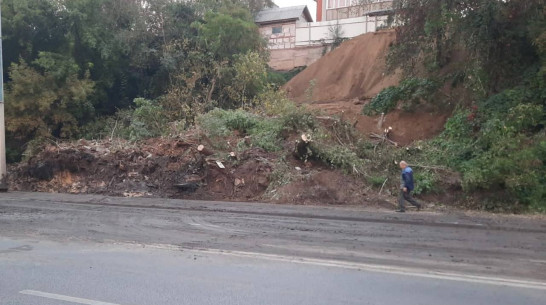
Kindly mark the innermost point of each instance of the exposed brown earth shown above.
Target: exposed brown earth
(347, 78)
(354, 70)
(174, 168)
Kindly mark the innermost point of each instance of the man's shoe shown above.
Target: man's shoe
(400, 211)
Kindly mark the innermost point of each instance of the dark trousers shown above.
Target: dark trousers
(406, 196)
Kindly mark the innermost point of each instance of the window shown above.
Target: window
(277, 30)
(339, 3)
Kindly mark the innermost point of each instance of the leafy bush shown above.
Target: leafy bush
(265, 132)
(376, 181)
(457, 142)
(384, 102)
(147, 120)
(274, 102)
(425, 182)
(48, 98)
(412, 91)
(279, 78)
(300, 119)
(219, 122)
(250, 72)
(337, 156)
(498, 146)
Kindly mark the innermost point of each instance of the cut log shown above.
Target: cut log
(187, 187)
(302, 150)
(204, 151)
(383, 138)
(381, 121)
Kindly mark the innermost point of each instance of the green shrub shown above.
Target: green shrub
(300, 119)
(219, 122)
(376, 181)
(384, 102)
(425, 182)
(498, 146)
(279, 78)
(265, 132)
(337, 156)
(274, 102)
(412, 91)
(147, 120)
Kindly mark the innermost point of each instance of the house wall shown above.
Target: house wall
(354, 11)
(284, 40)
(320, 12)
(302, 43)
(288, 59)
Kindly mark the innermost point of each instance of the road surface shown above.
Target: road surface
(66, 249)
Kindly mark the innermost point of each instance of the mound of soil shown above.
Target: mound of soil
(174, 168)
(348, 77)
(158, 167)
(324, 186)
(354, 70)
(407, 127)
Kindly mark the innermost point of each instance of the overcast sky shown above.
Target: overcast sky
(310, 3)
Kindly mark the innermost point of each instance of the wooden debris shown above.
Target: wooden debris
(384, 137)
(302, 150)
(204, 151)
(187, 186)
(239, 182)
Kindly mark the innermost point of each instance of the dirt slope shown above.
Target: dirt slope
(347, 78)
(407, 127)
(354, 70)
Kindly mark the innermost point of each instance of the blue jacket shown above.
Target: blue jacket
(407, 179)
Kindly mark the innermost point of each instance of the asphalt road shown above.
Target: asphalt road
(63, 249)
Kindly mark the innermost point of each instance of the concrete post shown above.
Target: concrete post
(3, 166)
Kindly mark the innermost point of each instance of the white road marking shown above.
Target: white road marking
(497, 281)
(66, 298)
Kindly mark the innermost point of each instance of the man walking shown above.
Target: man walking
(406, 187)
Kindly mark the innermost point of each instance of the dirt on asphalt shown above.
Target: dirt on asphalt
(492, 245)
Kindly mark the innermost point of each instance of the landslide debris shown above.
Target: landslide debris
(156, 167)
(356, 69)
(344, 80)
(176, 168)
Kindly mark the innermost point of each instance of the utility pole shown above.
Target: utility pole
(3, 166)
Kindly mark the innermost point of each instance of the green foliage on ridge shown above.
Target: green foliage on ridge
(74, 63)
(495, 52)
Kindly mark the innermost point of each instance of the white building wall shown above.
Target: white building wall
(319, 32)
(284, 40)
(354, 9)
